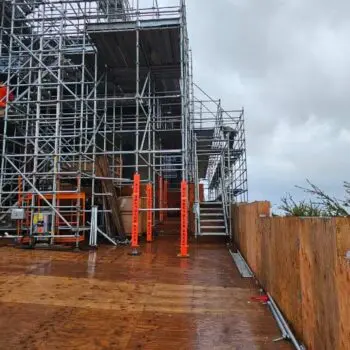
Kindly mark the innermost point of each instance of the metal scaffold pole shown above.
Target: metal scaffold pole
(184, 123)
(136, 182)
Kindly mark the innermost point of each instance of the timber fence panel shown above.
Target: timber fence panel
(302, 263)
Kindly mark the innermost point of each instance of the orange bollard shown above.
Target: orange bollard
(149, 212)
(184, 222)
(135, 216)
(161, 213)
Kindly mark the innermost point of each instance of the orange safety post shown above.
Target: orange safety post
(165, 197)
(149, 212)
(184, 222)
(135, 215)
(161, 213)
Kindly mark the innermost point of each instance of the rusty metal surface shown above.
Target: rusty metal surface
(106, 299)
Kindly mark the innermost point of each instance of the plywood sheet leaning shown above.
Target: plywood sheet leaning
(103, 171)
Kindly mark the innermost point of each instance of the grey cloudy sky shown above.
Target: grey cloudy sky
(288, 63)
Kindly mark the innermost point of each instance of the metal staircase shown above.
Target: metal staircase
(220, 163)
(212, 219)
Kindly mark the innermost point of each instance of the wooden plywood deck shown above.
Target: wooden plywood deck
(106, 299)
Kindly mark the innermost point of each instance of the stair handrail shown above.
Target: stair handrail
(223, 192)
(196, 199)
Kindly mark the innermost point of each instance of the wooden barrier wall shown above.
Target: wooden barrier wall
(301, 263)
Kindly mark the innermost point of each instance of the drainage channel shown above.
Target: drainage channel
(246, 272)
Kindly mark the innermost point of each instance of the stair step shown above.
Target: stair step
(211, 209)
(210, 206)
(212, 234)
(210, 203)
(211, 215)
(211, 227)
(213, 220)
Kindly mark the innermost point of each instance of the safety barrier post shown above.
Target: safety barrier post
(149, 212)
(135, 216)
(184, 222)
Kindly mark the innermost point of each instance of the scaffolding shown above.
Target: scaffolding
(105, 82)
(220, 148)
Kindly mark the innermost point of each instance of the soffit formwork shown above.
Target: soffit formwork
(159, 52)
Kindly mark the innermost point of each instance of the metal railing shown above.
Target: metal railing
(224, 195)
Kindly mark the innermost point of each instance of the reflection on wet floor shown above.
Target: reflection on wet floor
(106, 299)
(91, 265)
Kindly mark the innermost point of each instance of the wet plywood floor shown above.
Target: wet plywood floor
(106, 299)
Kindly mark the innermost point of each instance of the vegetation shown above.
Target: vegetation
(321, 203)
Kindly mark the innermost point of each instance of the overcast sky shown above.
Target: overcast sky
(288, 63)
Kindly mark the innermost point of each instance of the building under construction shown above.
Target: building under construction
(107, 142)
(106, 108)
